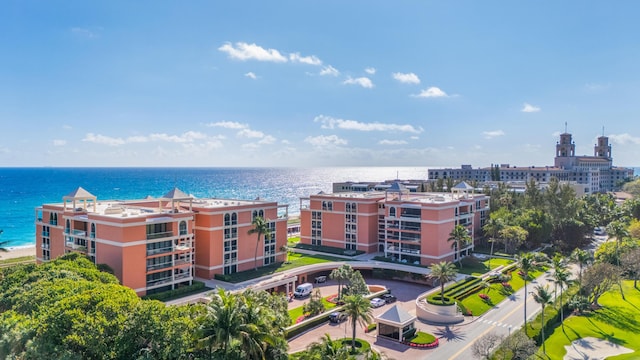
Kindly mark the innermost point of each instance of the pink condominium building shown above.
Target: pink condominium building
(408, 227)
(158, 244)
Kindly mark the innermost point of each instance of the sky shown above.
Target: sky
(316, 83)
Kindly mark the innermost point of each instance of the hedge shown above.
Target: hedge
(195, 287)
(306, 325)
(329, 249)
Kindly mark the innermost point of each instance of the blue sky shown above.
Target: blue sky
(315, 83)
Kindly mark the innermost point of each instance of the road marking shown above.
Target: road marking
(486, 331)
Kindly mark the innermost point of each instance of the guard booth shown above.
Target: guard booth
(396, 324)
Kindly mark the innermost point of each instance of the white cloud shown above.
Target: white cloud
(58, 142)
(267, 140)
(392, 142)
(593, 87)
(228, 125)
(622, 139)
(329, 71)
(188, 136)
(329, 122)
(432, 92)
(67, 127)
(323, 140)
(310, 60)
(104, 140)
(84, 32)
(408, 78)
(365, 82)
(528, 108)
(414, 137)
(243, 51)
(251, 75)
(251, 134)
(493, 133)
(370, 70)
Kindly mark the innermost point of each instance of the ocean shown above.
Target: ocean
(24, 189)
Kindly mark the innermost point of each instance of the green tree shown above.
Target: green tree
(598, 279)
(542, 296)
(326, 348)
(631, 263)
(444, 272)
(358, 309)
(527, 263)
(582, 258)
(512, 237)
(618, 229)
(561, 278)
(459, 238)
(315, 305)
(357, 285)
(341, 274)
(261, 227)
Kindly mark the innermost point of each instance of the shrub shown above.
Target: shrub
(181, 291)
(484, 297)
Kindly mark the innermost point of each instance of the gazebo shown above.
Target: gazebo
(395, 324)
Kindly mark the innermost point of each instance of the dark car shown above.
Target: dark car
(388, 298)
(337, 317)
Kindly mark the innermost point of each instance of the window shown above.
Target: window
(93, 231)
(183, 228)
(392, 212)
(67, 228)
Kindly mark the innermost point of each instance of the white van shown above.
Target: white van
(303, 290)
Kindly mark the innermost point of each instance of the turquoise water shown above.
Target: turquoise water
(24, 189)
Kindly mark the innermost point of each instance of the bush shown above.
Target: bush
(305, 326)
(370, 328)
(329, 249)
(195, 287)
(221, 277)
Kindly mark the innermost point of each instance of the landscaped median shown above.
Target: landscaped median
(422, 340)
(314, 321)
(474, 296)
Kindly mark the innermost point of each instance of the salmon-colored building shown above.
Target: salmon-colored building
(407, 227)
(158, 244)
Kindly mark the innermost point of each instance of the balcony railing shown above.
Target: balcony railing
(44, 246)
(155, 282)
(79, 232)
(159, 266)
(159, 251)
(159, 235)
(183, 247)
(182, 276)
(45, 233)
(183, 262)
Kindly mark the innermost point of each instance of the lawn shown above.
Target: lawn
(423, 338)
(295, 313)
(17, 260)
(496, 294)
(617, 321)
(478, 268)
(293, 261)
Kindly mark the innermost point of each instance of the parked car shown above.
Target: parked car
(303, 290)
(377, 302)
(337, 317)
(599, 231)
(388, 298)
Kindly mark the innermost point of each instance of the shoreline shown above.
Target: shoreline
(18, 251)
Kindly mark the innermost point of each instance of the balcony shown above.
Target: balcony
(159, 235)
(159, 266)
(45, 233)
(44, 246)
(159, 251)
(161, 281)
(183, 262)
(183, 247)
(182, 276)
(79, 233)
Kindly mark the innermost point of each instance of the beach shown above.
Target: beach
(18, 252)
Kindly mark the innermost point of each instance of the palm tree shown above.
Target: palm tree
(459, 237)
(492, 229)
(358, 309)
(341, 274)
(260, 227)
(444, 272)
(542, 296)
(561, 278)
(619, 231)
(526, 263)
(558, 264)
(285, 249)
(327, 348)
(3, 244)
(582, 258)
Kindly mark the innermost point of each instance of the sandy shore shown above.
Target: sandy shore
(18, 252)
